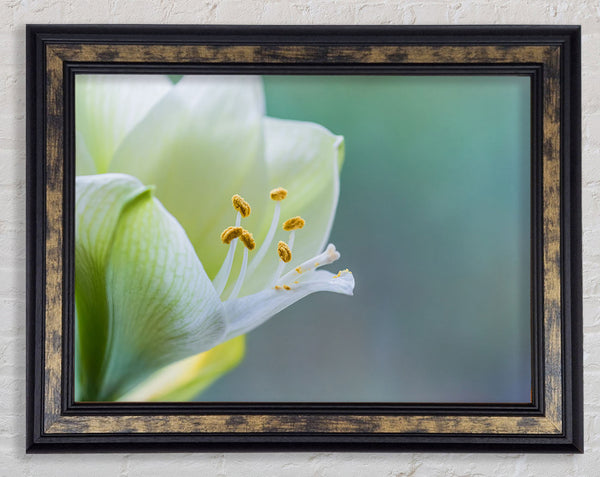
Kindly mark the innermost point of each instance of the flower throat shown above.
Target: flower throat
(232, 234)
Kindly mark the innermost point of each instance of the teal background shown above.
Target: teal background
(433, 220)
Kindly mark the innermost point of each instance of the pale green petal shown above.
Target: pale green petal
(304, 158)
(84, 165)
(185, 379)
(99, 202)
(200, 145)
(107, 109)
(245, 314)
(141, 292)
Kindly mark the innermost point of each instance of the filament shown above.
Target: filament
(262, 251)
(241, 276)
(223, 275)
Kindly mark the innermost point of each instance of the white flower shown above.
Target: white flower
(157, 167)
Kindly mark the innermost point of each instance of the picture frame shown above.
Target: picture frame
(548, 55)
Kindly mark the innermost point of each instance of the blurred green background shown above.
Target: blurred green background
(433, 220)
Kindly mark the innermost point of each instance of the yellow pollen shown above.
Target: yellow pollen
(277, 287)
(231, 233)
(241, 205)
(340, 273)
(247, 239)
(279, 193)
(293, 224)
(299, 269)
(296, 282)
(284, 252)
(316, 264)
(286, 287)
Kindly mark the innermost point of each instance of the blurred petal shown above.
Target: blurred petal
(143, 299)
(200, 145)
(107, 109)
(185, 379)
(84, 164)
(245, 314)
(304, 158)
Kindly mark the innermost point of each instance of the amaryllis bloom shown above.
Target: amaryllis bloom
(198, 219)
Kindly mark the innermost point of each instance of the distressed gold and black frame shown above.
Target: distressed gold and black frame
(550, 56)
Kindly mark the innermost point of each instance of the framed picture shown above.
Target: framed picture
(294, 238)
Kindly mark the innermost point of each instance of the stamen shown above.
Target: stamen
(330, 255)
(284, 252)
(241, 205)
(231, 233)
(262, 251)
(279, 193)
(223, 275)
(247, 239)
(293, 224)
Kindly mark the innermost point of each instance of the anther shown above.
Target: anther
(231, 233)
(279, 193)
(247, 239)
(241, 205)
(293, 224)
(284, 252)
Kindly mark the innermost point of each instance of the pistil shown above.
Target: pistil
(330, 255)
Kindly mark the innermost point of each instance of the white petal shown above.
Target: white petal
(245, 314)
(199, 146)
(107, 108)
(305, 159)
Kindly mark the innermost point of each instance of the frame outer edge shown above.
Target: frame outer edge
(574, 231)
(34, 230)
(36, 222)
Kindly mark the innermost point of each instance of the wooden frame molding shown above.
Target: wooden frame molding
(549, 55)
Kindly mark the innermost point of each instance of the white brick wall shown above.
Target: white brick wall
(14, 14)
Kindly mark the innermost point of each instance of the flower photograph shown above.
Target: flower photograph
(302, 238)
